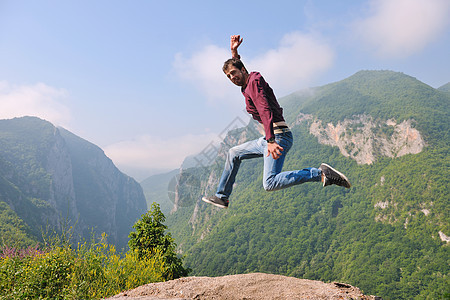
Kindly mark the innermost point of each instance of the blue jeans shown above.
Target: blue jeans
(273, 178)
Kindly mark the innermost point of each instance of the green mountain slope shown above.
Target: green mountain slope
(383, 235)
(381, 94)
(49, 176)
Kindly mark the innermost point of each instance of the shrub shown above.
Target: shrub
(92, 270)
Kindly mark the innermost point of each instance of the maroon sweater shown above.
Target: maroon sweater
(261, 103)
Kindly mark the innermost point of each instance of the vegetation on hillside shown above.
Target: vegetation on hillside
(332, 234)
(14, 230)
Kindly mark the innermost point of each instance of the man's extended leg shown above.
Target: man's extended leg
(274, 179)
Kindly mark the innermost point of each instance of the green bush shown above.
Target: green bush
(91, 270)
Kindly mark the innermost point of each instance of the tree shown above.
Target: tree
(149, 237)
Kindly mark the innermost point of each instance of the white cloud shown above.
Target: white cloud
(399, 28)
(295, 63)
(147, 153)
(204, 71)
(292, 66)
(38, 100)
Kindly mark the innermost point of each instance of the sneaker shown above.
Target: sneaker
(331, 176)
(214, 200)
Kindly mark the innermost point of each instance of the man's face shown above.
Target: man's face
(238, 77)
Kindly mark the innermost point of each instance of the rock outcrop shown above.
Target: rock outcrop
(258, 286)
(365, 139)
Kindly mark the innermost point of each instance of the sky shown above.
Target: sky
(143, 80)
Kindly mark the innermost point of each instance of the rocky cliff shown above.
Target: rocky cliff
(365, 139)
(60, 178)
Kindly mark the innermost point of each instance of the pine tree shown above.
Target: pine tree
(150, 237)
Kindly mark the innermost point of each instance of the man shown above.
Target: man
(262, 104)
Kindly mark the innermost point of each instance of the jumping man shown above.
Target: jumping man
(262, 104)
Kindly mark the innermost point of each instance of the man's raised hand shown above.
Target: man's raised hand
(235, 41)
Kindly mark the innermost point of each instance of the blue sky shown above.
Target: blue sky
(143, 79)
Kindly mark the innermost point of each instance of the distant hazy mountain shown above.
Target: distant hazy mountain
(445, 87)
(157, 188)
(388, 234)
(49, 177)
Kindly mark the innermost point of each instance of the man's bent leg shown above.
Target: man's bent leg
(235, 155)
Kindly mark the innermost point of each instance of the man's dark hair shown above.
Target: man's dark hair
(235, 62)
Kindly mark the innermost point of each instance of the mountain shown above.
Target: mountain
(388, 234)
(445, 87)
(51, 177)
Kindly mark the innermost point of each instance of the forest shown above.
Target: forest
(381, 235)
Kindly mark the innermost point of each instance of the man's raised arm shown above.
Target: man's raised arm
(236, 40)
